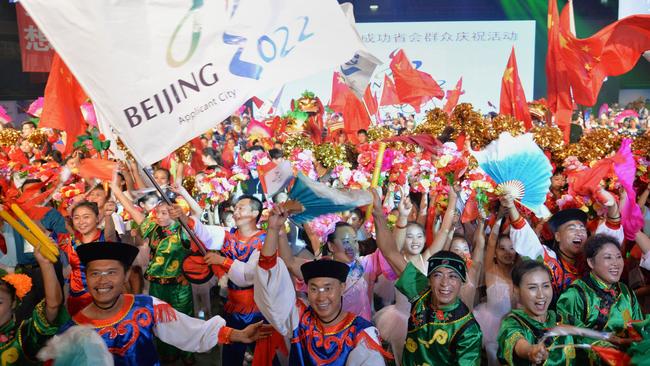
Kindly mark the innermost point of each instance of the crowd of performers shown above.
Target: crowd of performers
(442, 268)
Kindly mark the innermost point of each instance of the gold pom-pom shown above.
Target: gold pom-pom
(9, 137)
(548, 138)
(124, 149)
(641, 144)
(189, 183)
(330, 155)
(37, 138)
(377, 133)
(465, 119)
(434, 124)
(298, 141)
(597, 144)
(184, 153)
(503, 123)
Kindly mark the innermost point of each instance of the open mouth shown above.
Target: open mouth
(540, 305)
(614, 272)
(444, 292)
(103, 290)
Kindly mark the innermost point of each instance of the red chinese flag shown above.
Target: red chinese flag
(36, 52)
(413, 87)
(371, 101)
(612, 51)
(63, 99)
(557, 81)
(339, 93)
(513, 99)
(453, 96)
(355, 116)
(611, 356)
(197, 155)
(97, 169)
(389, 94)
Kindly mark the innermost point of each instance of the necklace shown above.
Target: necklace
(108, 307)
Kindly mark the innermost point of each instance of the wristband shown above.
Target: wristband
(397, 226)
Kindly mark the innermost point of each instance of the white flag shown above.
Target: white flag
(162, 72)
(358, 70)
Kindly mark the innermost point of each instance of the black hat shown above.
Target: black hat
(451, 260)
(124, 253)
(325, 268)
(564, 216)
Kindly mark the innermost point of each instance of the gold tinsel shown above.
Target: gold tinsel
(548, 138)
(37, 138)
(597, 144)
(184, 153)
(124, 149)
(376, 133)
(9, 137)
(298, 140)
(503, 123)
(435, 123)
(641, 144)
(330, 155)
(189, 183)
(465, 119)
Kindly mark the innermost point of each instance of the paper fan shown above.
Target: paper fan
(318, 199)
(519, 167)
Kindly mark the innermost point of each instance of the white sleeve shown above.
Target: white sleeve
(527, 244)
(242, 273)
(645, 261)
(184, 332)
(617, 233)
(362, 355)
(211, 236)
(275, 296)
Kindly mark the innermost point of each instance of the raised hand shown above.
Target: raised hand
(278, 217)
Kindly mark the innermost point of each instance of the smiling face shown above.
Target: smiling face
(106, 279)
(355, 220)
(535, 292)
(162, 215)
(505, 253)
(414, 241)
(161, 177)
(84, 220)
(98, 196)
(571, 237)
(445, 285)
(243, 212)
(460, 247)
(6, 304)
(324, 296)
(607, 264)
(558, 181)
(345, 247)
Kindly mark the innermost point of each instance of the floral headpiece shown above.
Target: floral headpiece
(22, 283)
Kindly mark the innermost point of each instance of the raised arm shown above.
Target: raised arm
(404, 207)
(136, 214)
(385, 240)
(109, 226)
(643, 198)
(293, 263)
(447, 222)
(53, 294)
(490, 251)
(197, 211)
(478, 255)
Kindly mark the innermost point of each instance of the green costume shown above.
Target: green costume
(169, 246)
(590, 303)
(518, 324)
(445, 336)
(19, 344)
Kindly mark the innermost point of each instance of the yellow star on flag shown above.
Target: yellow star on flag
(507, 75)
(585, 48)
(588, 67)
(563, 42)
(340, 79)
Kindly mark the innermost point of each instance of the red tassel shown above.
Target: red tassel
(266, 348)
(373, 345)
(164, 313)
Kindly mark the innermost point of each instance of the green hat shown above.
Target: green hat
(451, 260)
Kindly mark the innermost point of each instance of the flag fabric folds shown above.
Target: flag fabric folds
(513, 100)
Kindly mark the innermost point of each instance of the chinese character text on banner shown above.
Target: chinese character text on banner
(161, 73)
(35, 51)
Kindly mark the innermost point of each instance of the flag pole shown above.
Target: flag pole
(187, 229)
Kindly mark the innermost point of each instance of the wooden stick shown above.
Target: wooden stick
(376, 174)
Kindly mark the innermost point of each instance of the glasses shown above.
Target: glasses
(111, 273)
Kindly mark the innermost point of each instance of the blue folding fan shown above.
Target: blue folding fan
(519, 167)
(318, 199)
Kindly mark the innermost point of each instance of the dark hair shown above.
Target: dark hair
(92, 206)
(413, 223)
(275, 153)
(340, 224)
(255, 148)
(594, 244)
(146, 197)
(28, 123)
(357, 211)
(526, 266)
(362, 132)
(101, 188)
(9, 288)
(255, 204)
(169, 174)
